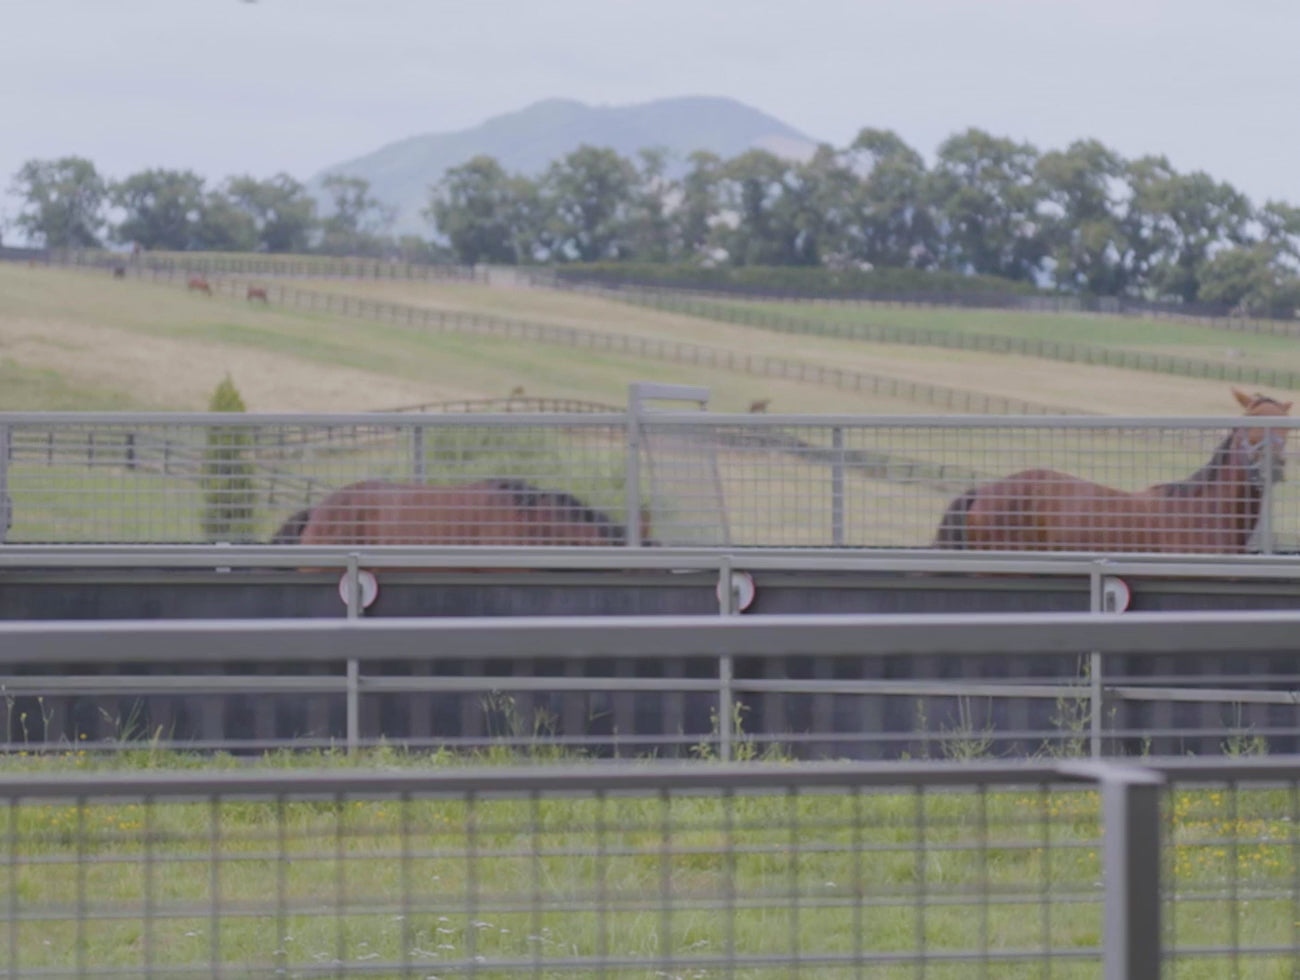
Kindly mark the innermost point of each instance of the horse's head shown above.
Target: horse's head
(1263, 448)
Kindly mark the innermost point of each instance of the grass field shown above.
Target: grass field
(1180, 337)
(358, 883)
(1089, 388)
(134, 344)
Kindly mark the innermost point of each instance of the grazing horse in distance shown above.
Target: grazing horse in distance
(258, 292)
(1215, 510)
(119, 272)
(489, 512)
(755, 407)
(198, 284)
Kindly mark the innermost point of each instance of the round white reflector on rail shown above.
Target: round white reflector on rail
(742, 590)
(369, 588)
(1115, 594)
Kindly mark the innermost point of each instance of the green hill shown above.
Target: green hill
(528, 140)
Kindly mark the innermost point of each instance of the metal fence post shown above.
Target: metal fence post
(354, 666)
(837, 486)
(632, 470)
(1096, 691)
(419, 463)
(1130, 800)
(6, 504)
(726, 607)
(1266, 504)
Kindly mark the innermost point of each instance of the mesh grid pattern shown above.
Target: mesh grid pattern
(703, 481)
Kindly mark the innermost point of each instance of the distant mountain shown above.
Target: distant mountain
(528, 140)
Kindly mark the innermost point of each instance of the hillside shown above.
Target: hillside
(528, 140)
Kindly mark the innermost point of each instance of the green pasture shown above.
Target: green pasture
(437, 883)
(1127, 332)
(397, 364)
(25, 388)
(1100, 388)
(1159, 346)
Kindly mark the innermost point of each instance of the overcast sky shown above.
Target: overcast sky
(226, 86)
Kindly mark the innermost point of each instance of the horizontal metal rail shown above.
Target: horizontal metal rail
(1056, 564)
(626, 637)
(665, 416)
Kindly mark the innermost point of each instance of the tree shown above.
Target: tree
(224, 226)
(283, 213)
(987, 198)
(887, 221)
(1251, 279)
(227, 473)
(358, 222)
(1178, 221)
(1085, 238)
(588, 195)
(478, 207)
(163, 209)
(694, 216)
(64, 202)
(649, 232)
(767, 200)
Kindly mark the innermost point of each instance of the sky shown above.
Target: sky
(229, 86)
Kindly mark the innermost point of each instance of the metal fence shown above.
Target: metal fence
(743, 310)
(247, 264)
(1174, 868)
(694, 478)
(934, 686)
(1212, 315)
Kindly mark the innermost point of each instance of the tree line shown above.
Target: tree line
(1083, 220)
(67, 203)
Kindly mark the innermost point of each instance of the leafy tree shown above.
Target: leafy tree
(227, 473)
(358, 222)
(224, 226)
(163, 209)
(697, 210)
(283, 213)
(648, 235)
(888, 222)
(987, 198)
(477, 206)
(1180, 220)
(1088, 245)
(588, 195)
(63, 202)
(769, 201)
(1280, 224)
(1251, 279)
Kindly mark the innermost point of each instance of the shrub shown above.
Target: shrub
(227, 473)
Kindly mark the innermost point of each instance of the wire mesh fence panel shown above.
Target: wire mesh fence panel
(1093, 485)
(769, 876)
(413, 479)
(1231, 875)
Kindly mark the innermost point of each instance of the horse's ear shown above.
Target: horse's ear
(1286, 407)
(1244, 399)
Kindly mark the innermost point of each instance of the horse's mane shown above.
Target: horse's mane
(1198, 481)
(527, 496)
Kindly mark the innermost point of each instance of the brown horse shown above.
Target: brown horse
(257, 292)
(1214, 510)
(490, 512)
(198, 284)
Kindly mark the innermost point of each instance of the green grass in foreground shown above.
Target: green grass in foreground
(551, 880)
